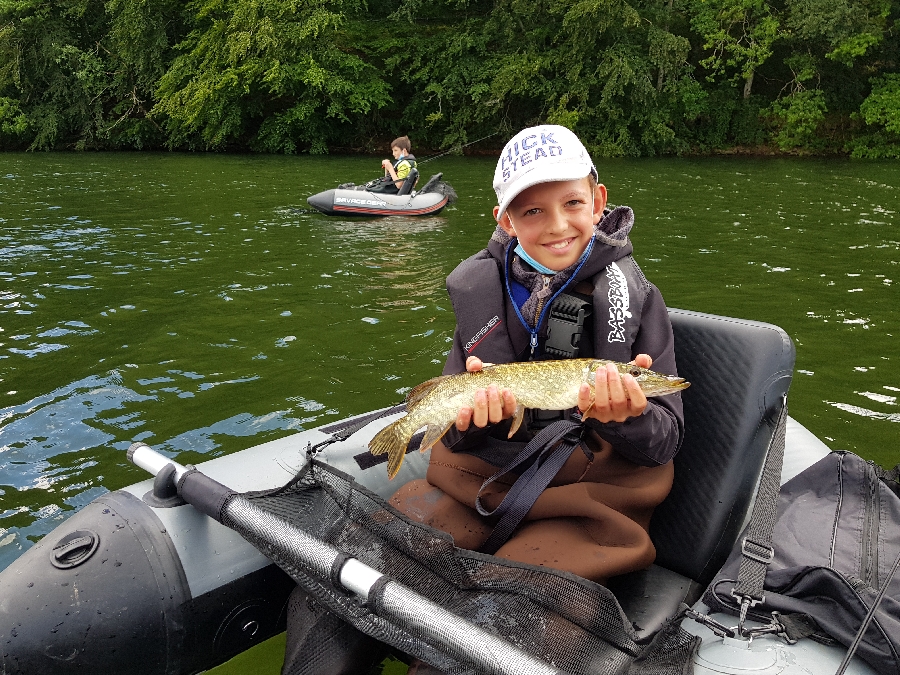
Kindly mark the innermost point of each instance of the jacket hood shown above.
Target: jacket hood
(611, 241)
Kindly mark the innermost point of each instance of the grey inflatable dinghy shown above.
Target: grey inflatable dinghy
(367, 200)
(140, 582)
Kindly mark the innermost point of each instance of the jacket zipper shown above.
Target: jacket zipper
(868, 563)
(537, 312)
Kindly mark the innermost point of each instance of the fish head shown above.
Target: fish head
(651, 382)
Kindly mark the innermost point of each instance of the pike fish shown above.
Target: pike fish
(548, 385)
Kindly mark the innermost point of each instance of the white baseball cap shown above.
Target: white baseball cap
(539, 155)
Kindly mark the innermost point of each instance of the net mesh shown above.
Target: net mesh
(322, 643)
(571, 623)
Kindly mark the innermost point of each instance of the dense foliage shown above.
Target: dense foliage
(631, 77)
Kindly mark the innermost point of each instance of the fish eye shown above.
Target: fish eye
(635, 372)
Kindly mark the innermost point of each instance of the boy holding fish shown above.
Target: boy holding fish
(557, 463)
(554, 237)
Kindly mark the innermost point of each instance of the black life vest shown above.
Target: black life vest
(484, 312)
(406, 158)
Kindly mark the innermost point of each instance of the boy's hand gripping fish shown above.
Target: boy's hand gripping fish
(548, 385)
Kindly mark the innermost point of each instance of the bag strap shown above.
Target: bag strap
(756, 547)
(548, 451)
(341, 431)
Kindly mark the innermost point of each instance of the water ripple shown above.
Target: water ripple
(865, 412)
(178, 295)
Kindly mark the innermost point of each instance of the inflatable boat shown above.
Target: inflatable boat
(147, 580)
(367, 200)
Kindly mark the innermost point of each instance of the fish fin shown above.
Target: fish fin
(420, 391)
(394, 462)
(433, 434)
(517, 418)
(390, 441)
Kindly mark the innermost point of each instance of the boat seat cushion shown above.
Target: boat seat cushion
(409, 182)
(738, 370)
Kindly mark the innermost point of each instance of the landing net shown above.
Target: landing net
(573, 624)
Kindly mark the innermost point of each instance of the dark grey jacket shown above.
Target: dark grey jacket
(630, 318)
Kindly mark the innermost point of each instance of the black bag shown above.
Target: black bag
(836, 540)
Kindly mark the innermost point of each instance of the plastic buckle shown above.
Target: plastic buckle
(573, 436)
(746, 601)
(753, 555)
(563, 337)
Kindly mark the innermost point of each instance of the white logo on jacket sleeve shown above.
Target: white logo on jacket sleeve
(481, 334)
(618, 303)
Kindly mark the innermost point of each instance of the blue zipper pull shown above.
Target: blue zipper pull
(533, 343)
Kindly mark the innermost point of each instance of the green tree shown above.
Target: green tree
(881, 113)
(79, 73)
(740, 35)
(277, 75)
(631, 77)
(13, 123)
(53, 70)
(846, 30)
(613, 71)
(140, 41)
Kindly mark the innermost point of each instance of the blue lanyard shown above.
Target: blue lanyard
(534, 331)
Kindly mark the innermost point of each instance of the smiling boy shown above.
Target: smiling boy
(557, 255)
(556, 247)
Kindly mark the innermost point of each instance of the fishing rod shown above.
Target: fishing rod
(868, 618)
(456, 148)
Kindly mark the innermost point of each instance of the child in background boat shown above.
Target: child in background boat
(399, 169)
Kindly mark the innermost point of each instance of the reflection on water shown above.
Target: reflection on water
(392, 258)
(196, 304)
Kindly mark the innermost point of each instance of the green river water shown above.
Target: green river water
(194, 302)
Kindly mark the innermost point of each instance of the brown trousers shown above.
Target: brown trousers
(592, 520)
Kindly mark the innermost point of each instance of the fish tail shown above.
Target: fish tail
(392, 441)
